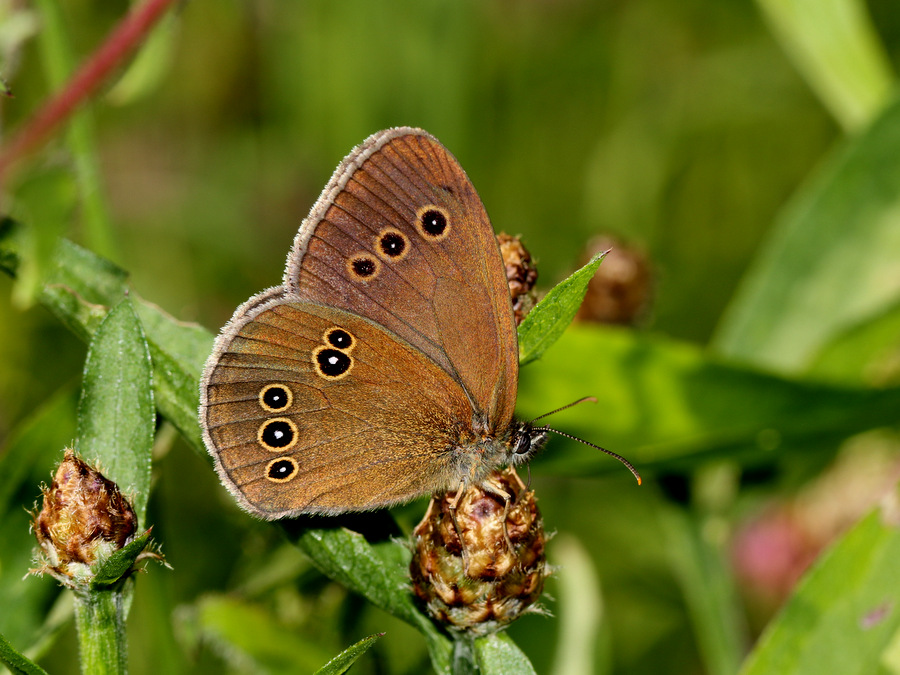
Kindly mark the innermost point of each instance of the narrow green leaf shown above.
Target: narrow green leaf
(845, 613)
(866, 352)
(177, 395)
(580, 611)
(59, 63)
(116, 415)
(34, 446)
(251, 639)
(661, 400)
(17, 663)
(380, 574)
(45, 202)
(148, 70)
(703, 573)
(836, 48)
(80, 289)
(341, 663)
(117, 565)
(830, 263)
(550, 318)
(498, 655)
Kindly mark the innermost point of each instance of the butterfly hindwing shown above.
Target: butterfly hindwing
(311, 409)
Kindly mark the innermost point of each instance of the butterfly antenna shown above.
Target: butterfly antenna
(565, 407)
(608, 452)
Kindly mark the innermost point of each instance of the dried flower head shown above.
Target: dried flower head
(520, 273)
(480, 570)
(84, 519)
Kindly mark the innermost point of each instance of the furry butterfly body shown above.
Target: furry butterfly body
(385, 366)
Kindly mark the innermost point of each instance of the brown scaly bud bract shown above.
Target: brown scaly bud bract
(503, 572)
(620, 292)
(84, 520)
(520, 273)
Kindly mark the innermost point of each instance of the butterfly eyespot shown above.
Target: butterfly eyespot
(275, 398)
(277, 434)
(331, 364)
(282, 470)
(363, 267)
(339, 339)
(433, 222)
(392, 245)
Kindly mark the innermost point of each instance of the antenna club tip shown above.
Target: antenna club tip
(640, 482)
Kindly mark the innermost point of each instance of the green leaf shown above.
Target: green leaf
(497, 654)
(249, 637)
(661, 400)
(845, 613)
(550, 318)
(111, 570)
(380, 574)
(33, 447)
(179, 351)
(78, 291)
(116, 415)
(59, 63)
(342, 662)
(836, 48)
(150, 66)
(703, 572)
(865, 352)
(16, 662)
(580, 610)
(45, 201)
(830, 263)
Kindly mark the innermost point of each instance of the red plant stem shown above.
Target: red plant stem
(124, 39)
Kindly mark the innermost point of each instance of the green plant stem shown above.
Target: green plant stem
(100, 620)
(464, 659)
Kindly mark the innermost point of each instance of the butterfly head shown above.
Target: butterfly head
(526, 441)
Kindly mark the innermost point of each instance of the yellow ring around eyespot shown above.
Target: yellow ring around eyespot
(287, 389)
(318, 368)
(346, 350)
(386, 256)
(286, 478)
(360, 257)
(421, 228)
(272, 448)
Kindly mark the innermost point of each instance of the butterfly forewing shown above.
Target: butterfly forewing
(401, 238)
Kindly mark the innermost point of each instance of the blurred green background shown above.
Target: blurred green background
(691, 129)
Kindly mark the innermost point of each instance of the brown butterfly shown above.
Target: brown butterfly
(385, 366)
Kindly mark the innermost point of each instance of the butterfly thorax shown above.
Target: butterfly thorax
(478, 452)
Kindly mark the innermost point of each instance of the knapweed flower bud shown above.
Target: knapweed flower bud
(83, 521)
(520, 273)
(620, 291)
(481, 572)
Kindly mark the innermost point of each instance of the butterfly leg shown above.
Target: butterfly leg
(454, 503)
(494, 487)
